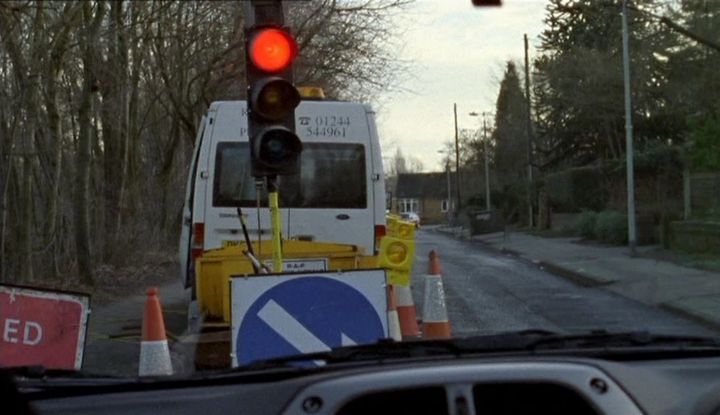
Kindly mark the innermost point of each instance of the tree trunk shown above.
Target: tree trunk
(113, 81)
(71, 14)
(82, 182)
(25, 236)
(55, 146)
(4, 186)
(81, 205)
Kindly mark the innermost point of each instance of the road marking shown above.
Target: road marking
(293, 331)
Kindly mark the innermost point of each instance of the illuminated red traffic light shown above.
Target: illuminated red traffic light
(272, 98)
(272, 50)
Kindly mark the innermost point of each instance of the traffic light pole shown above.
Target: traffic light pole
(275, 223)
(259, 12)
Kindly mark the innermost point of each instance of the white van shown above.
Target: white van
(339, 195)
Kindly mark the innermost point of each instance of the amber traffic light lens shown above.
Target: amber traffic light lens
(275, 99)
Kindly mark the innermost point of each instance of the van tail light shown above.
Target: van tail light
(380, 231)
(198, 240)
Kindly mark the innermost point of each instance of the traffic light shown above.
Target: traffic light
(272, 98)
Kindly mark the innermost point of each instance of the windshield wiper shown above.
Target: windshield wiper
(605, 339)
(389, 349)
(534, 342)
(38, 382)
(41, 372)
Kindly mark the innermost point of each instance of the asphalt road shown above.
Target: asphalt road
(490, 292)
(114, 331)
(486, 292)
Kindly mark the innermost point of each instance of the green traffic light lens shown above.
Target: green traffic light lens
(279, 147)
(276, 99)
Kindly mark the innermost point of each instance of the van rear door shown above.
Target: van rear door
(327, 202)
(331, 203)
(331, 200)
(335, 199)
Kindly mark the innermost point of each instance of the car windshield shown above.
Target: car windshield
(541, 166)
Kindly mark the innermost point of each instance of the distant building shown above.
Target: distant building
(427, 193)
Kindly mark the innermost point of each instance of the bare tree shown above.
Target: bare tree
(99, 107)
(92, 19)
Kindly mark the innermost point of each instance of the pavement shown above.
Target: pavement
(690, 292)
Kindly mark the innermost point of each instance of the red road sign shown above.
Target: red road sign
(42, 328)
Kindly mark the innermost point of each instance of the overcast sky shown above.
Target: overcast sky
(457, 55)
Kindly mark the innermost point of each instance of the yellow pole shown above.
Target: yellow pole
(275, 223)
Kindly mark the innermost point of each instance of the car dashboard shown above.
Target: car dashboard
(450, 386)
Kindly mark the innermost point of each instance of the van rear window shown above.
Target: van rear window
(331, 176)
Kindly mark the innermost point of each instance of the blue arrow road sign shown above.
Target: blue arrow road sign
(306, 314)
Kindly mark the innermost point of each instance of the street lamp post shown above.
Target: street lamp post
(457, 162)
(632, 237)
(486, 160)
(486, 156)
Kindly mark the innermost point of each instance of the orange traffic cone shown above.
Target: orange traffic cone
(393, 320)
(407, 313)
(154, 350)
(435, 319)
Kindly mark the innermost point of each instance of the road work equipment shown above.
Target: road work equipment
(407, 313)
(397, 256)
(435, 318)
(154, 350)
(393, 320)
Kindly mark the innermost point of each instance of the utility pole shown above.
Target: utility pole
(528, 131)
(632, 237)
(457, 162)
(487, 165)
(449, 195)
(486, 157)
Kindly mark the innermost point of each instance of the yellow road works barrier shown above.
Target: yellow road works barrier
(397, 257)
(405, 230)
(392, 224)
(397, 250)
(214, 268)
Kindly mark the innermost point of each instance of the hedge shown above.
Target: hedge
(611, 227)
(576, 189)
(585, 224)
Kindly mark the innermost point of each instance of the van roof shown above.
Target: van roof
(328, 103)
